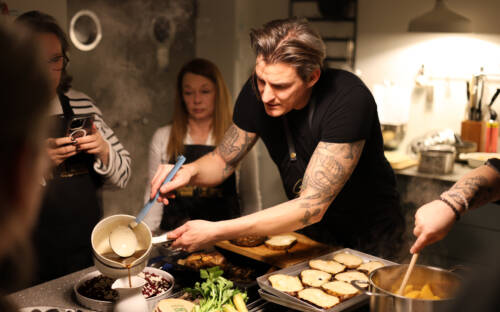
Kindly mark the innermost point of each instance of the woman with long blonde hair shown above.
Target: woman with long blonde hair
(202, 114)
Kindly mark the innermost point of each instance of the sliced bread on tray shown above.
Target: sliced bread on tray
(286, 283)
(318, 297)
(314, 278)
(349, 260)
(349, 276)
(328, 266)
(368, 267)
(340, 289)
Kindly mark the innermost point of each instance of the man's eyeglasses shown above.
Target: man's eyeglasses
(58, 62)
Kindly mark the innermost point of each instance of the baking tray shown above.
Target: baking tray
(295, 271)
(284, 302)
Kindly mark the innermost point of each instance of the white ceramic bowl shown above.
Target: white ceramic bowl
(478, 159)
(107, 306)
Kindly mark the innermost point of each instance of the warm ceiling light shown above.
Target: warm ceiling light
(440, 19)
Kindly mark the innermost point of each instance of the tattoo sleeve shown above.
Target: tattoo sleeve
(234, 146)
(330, 167)
(475, 189)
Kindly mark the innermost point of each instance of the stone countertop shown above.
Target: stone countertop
(55, 293)
(458, 171)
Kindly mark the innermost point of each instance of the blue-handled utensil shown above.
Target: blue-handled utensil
(122, 239)
(180, 161)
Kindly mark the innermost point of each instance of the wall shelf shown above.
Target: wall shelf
(338, 32)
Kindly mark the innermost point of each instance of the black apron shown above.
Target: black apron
(336, 227)
(205, 203)
(71, 207)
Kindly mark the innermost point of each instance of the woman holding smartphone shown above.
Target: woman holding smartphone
(82, 162)
(202, 114)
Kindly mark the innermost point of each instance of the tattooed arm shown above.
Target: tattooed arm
(435, 219)
(330, 167)
(211, 169)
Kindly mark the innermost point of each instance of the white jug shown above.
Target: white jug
(130, 299)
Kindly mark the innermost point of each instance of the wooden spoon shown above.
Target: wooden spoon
(408, 273)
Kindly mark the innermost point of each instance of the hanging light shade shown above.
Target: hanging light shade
(440, 19)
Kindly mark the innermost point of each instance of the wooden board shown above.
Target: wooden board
(303, 250)
(404, 164)
(399, 160)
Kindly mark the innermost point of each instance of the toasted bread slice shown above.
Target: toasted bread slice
(349, 260)
(314, 278)
(318, 297)
(174, 305)
(281, 242)
(349, 276)
(340, 289)
(286, 283)
(368, 267)
(328, 266)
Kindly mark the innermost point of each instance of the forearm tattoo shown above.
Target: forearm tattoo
(328, 170)
(475, 189)
(234, 146)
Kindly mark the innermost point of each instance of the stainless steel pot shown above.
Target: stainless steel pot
(438, 159)
(383, 280)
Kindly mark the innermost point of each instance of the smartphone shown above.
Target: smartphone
(79, 126)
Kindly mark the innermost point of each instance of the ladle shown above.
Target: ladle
(122, 239)
(408, 273)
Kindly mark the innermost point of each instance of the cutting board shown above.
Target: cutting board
(399, 161)
(303, 250)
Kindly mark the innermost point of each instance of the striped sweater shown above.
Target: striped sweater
(117, 173)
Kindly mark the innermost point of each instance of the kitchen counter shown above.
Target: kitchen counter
(458, 171)
(57, 293)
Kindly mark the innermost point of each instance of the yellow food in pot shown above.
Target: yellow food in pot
(424, 293)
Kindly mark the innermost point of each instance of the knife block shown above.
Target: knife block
(474, 131)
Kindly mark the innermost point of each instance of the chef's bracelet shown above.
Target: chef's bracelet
(459, 199)
(457, 214)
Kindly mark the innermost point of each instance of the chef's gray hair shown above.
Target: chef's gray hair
(291, 41)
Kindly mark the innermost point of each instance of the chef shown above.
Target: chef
(321, 128)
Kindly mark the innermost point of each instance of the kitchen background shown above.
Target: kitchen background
(132, 79)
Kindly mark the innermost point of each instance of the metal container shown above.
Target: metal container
(393, 135)
(278, 297)
(383, 280)
(438, 159)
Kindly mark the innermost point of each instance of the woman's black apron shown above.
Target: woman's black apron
(381, 237)
(71, 207)
(206, 203)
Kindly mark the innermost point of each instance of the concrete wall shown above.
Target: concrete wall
(56, 8)
(131, 87)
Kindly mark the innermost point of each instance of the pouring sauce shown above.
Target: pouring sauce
(127, 262)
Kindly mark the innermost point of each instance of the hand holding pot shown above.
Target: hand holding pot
(432, 222)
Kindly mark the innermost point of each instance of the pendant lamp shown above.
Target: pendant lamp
(440, 19)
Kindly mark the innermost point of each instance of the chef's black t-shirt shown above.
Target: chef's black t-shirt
(367, 208)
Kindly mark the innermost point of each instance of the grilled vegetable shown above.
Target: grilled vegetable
(229, 308)
(239, 303)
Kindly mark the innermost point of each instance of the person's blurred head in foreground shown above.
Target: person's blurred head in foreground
(24, 96)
